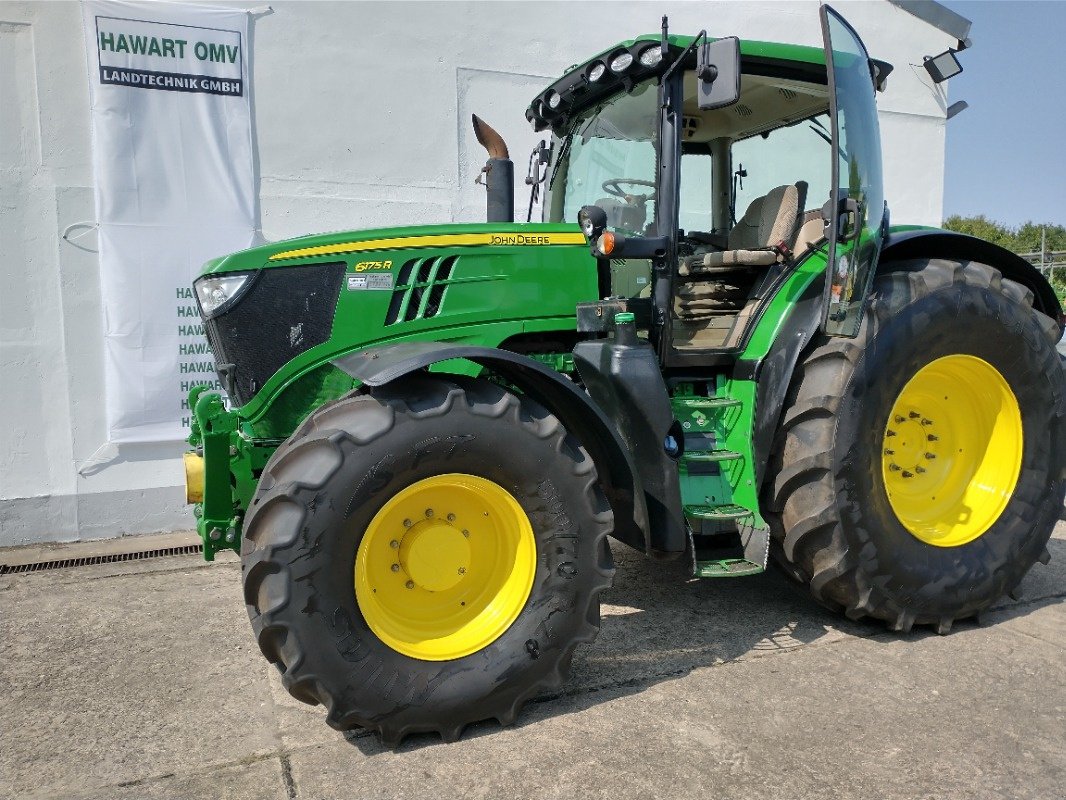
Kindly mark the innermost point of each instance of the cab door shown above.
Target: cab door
(855, 214)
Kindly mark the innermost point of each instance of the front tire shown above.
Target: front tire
(920, 467)
(426, 556)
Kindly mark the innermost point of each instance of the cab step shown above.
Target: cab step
(727, 568)
(701, 403)
(710, 456)
(730, 555)
(721, 513)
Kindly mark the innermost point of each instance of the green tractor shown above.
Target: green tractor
(714, 346)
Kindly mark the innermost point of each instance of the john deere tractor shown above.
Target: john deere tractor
(713, 346)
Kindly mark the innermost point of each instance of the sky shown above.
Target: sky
(1006, 153)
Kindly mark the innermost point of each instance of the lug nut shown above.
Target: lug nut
(407, 523)
(933, 437)
(466, 533)
(451, 518)
(395, 567)
(926, 421)
(890, 452)
(394, 544)
(907, 474)
(914, 415)
(919, 470)
(462, 570)
(930, 456)
(890, 432)
(898, 418)
(429, 513)
(893, 468)
(410, 584)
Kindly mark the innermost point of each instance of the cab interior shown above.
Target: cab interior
(754, 176)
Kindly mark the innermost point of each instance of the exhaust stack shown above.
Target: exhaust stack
(498, 173)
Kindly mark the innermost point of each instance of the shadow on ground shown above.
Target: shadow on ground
(659, 623)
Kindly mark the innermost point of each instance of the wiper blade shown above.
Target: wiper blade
(564, 152)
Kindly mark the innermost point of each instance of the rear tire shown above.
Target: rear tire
(835, 527)
(325, 490)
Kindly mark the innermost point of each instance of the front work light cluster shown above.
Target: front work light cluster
(619, 68)
(216, 292)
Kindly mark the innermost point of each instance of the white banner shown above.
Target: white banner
(175, 186)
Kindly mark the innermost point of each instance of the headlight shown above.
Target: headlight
(621, 62)
(216, 291)
(597, 71)
(554, 99)
(651, 56)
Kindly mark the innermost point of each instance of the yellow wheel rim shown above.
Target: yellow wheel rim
(445, 567)
(952, 450)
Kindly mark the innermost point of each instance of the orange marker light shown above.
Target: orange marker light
(606, 243)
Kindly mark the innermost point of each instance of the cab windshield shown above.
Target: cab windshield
(609, 159)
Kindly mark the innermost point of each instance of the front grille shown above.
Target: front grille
(420, 288)
(286, 311)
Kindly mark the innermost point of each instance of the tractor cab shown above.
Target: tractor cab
(702, 171)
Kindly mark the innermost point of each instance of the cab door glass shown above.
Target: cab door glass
(857, 208)
(697, 192)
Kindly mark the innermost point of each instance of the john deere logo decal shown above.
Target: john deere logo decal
(176, 58)
(519, 238)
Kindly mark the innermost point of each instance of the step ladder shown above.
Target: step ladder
(733, 547)
(727, 554)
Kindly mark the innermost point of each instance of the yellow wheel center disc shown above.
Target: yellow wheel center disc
(435, 556)
(952, 450)
(445, 567)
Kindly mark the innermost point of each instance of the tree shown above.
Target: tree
(983, 228)
(1023, 239)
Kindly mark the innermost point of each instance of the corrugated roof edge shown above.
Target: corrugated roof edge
(939, 16)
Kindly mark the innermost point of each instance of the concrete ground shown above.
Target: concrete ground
(142, 680)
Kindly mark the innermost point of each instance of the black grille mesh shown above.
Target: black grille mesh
(286, 311)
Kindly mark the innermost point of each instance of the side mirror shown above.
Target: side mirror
(718, 73)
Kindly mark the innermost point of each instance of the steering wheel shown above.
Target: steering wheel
(612, 188)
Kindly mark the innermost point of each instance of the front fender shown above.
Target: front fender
(581, 417)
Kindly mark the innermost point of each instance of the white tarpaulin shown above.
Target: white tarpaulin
(175, 186)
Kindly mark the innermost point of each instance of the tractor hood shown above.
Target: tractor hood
(369, 244)
(276, 315)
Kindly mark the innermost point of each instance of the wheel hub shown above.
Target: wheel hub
(952, 450)
(435, 555)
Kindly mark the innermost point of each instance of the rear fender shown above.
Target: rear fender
(618, 475)
(936, 243)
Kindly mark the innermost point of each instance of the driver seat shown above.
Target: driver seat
(623, 215)
(768, 222)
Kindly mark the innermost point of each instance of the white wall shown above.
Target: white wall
(362, 119)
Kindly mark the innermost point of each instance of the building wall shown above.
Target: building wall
(362, 119)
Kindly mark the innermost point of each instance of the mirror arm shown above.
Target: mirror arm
(673, 67)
